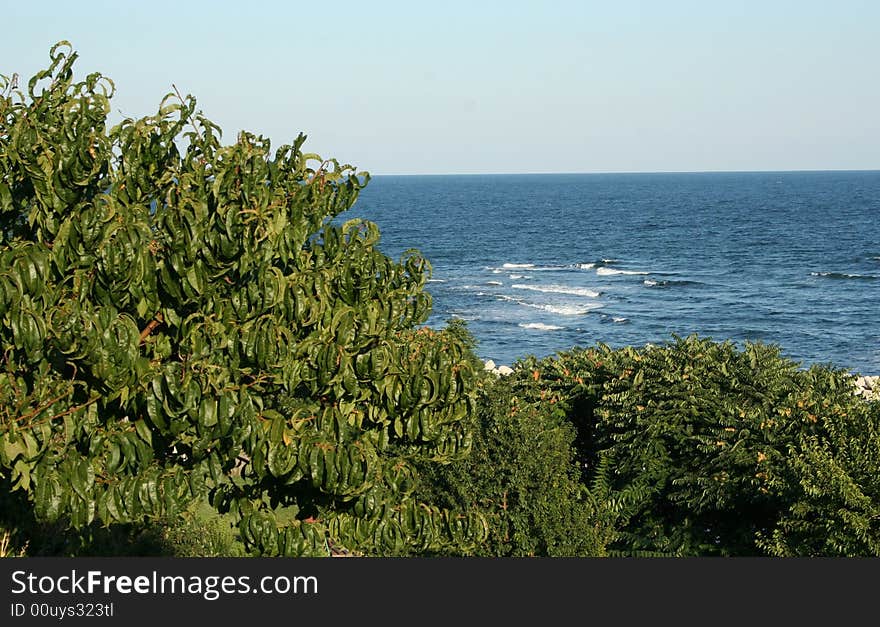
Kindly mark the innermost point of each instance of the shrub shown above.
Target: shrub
(704, 449)
(522, 474)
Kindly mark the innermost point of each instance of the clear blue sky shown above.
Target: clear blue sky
(485, 86)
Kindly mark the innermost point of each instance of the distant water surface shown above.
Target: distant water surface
(540, 263)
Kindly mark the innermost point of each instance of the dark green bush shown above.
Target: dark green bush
(704, 449)
(522, 474)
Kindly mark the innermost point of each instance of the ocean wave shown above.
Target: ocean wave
(843, 275)
(563, 310)
(507, 267)
(549, 267)
(667, 283)
(603, 271)
(519, 276)
(614, 319)
(494, 283)
(558, 289)
(560, 309)
(436, 280)
(540, 326)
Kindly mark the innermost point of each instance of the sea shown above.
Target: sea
(539, 263)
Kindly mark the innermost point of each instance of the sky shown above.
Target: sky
(494, 87)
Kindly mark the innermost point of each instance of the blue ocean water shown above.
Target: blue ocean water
(540, 263)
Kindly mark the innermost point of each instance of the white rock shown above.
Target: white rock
(868, 387)
(504, 370)
(490, 365)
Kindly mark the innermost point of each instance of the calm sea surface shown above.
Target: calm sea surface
(540, 263)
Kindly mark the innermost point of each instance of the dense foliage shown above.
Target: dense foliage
(523, 476)
(182, 320)
(196, 358)
(703, 449)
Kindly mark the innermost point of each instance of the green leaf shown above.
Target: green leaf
(142, 308)
(143, 431)
(5, 197)
(11, 450)
(30, 445)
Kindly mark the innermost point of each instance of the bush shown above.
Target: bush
(703, 449)
(522, 474)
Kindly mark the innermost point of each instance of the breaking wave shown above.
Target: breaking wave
(668, 283)
(558, 289)
(843, 275)
(603, 271)
(560, 309)
(540, 326)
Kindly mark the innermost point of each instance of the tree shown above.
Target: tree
(181, 319)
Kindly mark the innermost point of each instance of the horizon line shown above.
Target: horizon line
(602, 172)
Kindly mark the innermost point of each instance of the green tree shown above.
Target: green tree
(181, 319)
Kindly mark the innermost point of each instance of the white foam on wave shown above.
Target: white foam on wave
(843, 275)
(494, 283)
(508, 267)
(586, 266)
(519, 276)
(603, 271)
(562, 310)
(540, 326)
(558, 289)
(619, 319)
(649, 282)
(436, 280)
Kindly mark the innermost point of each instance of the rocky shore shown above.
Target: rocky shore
(869, 387)
(502, 371)
(865, 386)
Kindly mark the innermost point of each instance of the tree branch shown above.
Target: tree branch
(155, 322)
